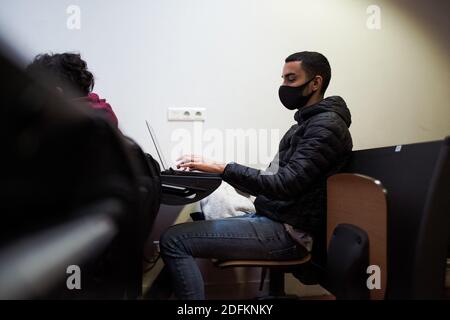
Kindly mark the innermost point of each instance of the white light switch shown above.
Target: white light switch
(186, 114)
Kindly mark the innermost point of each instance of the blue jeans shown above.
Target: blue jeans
(251, 236)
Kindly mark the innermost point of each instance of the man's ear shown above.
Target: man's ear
(317, 83)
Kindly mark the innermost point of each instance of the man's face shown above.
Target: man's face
(293, 74)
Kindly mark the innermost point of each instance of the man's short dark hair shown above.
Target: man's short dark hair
(313, 63)
(65, 69)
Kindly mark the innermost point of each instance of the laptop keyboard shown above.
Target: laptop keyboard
(173, 172)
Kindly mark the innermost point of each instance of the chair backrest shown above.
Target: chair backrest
(361, 201)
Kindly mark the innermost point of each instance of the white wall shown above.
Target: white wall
(227, 56)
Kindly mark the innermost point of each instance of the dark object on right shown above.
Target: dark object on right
(347, 262)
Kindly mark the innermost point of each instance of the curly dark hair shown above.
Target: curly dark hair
(66, 70)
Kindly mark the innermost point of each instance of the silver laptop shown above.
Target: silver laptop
(165, 167)
(162, 160)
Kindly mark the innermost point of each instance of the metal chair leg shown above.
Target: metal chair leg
(263, 278)
(276, 284)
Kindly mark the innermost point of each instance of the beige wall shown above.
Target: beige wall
(226, 56)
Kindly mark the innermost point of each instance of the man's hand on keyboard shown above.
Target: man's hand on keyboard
(192, 162)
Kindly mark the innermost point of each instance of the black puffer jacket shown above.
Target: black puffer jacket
(293, 188)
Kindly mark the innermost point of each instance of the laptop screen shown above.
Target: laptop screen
(157, 147)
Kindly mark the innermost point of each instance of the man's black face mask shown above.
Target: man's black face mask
(292, 97)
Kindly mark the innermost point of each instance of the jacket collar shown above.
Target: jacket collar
(334, 104)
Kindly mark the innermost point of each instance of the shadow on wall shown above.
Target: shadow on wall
(432, 17)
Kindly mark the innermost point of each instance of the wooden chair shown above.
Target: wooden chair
(351, 199)
(361, 201)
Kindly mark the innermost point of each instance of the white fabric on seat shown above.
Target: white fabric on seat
(226, 202)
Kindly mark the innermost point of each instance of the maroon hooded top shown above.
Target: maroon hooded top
(96, 103)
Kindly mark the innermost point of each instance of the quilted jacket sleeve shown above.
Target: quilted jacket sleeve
(315, 151)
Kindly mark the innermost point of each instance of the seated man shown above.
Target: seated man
(290, 218)
(69, 75)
